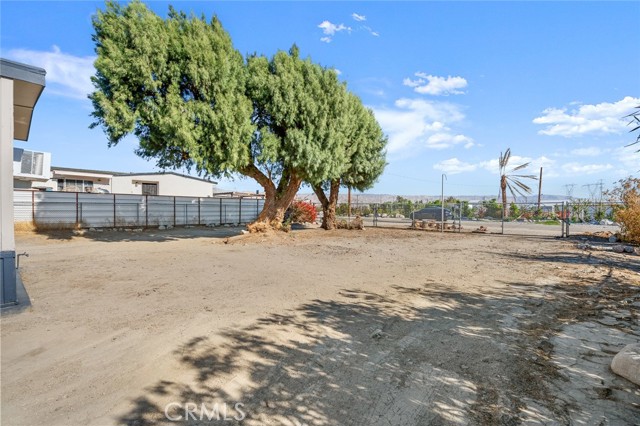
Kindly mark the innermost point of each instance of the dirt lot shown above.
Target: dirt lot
(374, 327)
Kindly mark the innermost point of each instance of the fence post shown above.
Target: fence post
(174, 210)
(220, 211)
(566, 218)
(77, 211)
(146, 211)
(33, 208)
(502, 216)
(198, 211)
(239, 210)
(114, 211)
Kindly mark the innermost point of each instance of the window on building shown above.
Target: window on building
(31, 162)
(75, 185)
(149, 189)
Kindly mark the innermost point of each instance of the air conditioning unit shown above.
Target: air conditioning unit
(31, 165)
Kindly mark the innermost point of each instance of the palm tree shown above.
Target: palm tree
(511, 181)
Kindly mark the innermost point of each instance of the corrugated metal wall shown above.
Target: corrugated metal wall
(109, 210)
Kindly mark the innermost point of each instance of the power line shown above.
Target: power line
(568, 190)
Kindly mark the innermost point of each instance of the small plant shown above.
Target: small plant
(302, 212)
(627, 213)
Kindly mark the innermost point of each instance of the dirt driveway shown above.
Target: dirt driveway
(374, 327)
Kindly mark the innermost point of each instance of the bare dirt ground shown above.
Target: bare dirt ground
(374, 327)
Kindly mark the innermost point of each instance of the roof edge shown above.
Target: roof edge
(19, 71)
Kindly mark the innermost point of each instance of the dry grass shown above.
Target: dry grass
(628, 192)
(29, 227)
(24, 227)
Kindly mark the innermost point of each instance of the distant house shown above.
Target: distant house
(32, 170)
(80, 180)
(163, 183)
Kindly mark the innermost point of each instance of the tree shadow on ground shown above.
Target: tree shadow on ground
(149, 234)
(412, 356)
(628, 262)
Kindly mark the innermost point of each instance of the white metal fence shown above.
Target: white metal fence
(125, 210)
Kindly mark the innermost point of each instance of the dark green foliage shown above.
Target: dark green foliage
(189, 97)
(176, 84)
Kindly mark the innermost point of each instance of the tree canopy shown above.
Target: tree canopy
(192, 100)
(364, 161)
(176, 84)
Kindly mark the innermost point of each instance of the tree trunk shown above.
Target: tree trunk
(503, 188)
(328, 204)
(276, 200)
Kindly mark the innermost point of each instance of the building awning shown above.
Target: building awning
(60, 174)
(28, 84)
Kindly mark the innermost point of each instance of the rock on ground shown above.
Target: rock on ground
(627, 363)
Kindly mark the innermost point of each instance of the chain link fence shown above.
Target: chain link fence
(561, 218)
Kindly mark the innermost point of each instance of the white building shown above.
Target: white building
(163, 183)
(20, 89)
(32, 170)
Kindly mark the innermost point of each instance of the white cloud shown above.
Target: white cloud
(434, 85)
(574, 168)
(534, 167)
(67, 75)
(551, 168)
(330, 29)
(446, 140)
(592, 151)
(603, 118)
(416, 123)
(337, 71)
(454, 166)
(373, 33)
(629, 159)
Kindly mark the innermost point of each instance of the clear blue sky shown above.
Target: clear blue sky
(451, 83)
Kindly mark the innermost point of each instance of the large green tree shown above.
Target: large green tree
(363, 163)
(300, 111)
(189, 97)
(176, 84)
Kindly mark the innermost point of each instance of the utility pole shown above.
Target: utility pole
(442, 204)
(568, 190)
(592, 188)
(539, 190)
(600, 184)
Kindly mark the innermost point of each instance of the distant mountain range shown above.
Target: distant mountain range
(383, 198)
